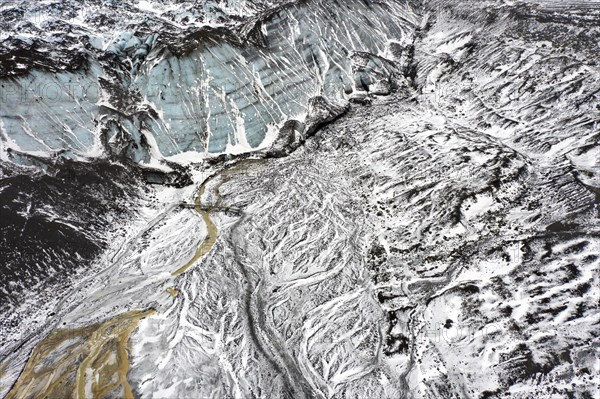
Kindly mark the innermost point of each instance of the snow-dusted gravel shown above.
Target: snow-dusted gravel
(437, 236)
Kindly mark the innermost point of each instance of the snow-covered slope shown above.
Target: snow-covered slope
(425, 223)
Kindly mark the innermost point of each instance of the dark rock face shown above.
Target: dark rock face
(17, 56)
(377, 75)
(53, 223)
(320, 111)
(289, 136)
(294, 133)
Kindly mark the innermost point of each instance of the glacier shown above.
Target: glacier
(194, 91)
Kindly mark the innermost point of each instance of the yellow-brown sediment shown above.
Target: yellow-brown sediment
(93, 361)
(89, 362)
(3, 368)
(213, 231)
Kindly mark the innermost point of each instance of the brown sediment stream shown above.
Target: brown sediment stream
(89, 362)
(211, 227)
(205, 211)
(93, 361)
(2, 373)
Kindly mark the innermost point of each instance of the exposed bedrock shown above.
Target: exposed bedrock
(294, 133)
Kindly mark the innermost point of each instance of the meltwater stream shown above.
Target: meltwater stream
(204, 210)
(93, 361)
(90, 362)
